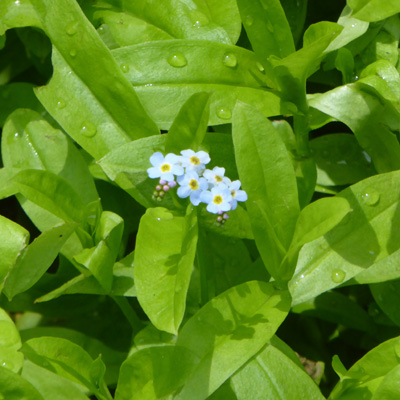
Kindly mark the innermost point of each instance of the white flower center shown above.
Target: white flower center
(218, 178)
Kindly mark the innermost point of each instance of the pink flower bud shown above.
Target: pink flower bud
(162, 182)
(165, 188)
(172, 184)
(158, 187)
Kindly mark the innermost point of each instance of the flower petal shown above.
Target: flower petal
(183, 192)
(154, 172)
(156, 159)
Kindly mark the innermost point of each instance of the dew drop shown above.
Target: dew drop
(17, 2)
(224, 113)
(198, 19)
(229, 60)
(124, 68)
(260, 67)
(338, 275)
(16, 134)
(177, 60)
(249, 20)
(72, 53)
(370, 197)
(60, 104)
(71, 30)
(269, 26)
(88, 129)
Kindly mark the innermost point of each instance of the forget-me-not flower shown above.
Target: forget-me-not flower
(218, 199)
(191, 186)
(165, 167)
(236, 193)
(191, 160)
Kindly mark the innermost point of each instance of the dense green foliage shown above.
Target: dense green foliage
(107, 292)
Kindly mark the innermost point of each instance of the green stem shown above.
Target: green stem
(302, 129)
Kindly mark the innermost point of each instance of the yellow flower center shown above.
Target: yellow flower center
(194, 185)
(194, 160)
(218, 178)
(218, 199)
(165, 167)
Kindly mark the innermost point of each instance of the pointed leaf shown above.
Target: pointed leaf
(35, 259)
(190, 125)
(267, 175)
(228, 331)
(164, 256)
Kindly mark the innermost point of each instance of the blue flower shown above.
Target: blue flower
(165, 167)
(194, 161)
(191, 185)
(218, 199)
(216, 176)
(237, 195)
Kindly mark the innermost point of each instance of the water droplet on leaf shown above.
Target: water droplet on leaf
(249, 20)
(71, 30)
(224, 113)
(198, 19)
(260, 67)
(72, 53)
(60, 104)
(177, 60)
(230, 60)
(270, 27)
(338, 275)
(370, 197)
(88, 129)
(124, 68)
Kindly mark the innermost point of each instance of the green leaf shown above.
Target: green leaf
(13, 239)
(179, 70)
(30, 142)
(67, 360)
(10, 342)
(50, 385)
(344, 163)
(371, 124)
(190, 125)
(267, 28)
(153, 372)
(386, 295)
(374, 373)
(267, 175)
(337, 308)
(99, 260)
(274, 374)
(35, 259)
(51, 193)
(365, 237)
(128, 164)
(314, 221)
(102, 124)
(164, 255)
(228, 331)
(14, 387)
(139, 22)
(111, 357)
(293, 70)
(373, 10)
(295, 12)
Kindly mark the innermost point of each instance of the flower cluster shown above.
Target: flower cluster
(201, 185)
